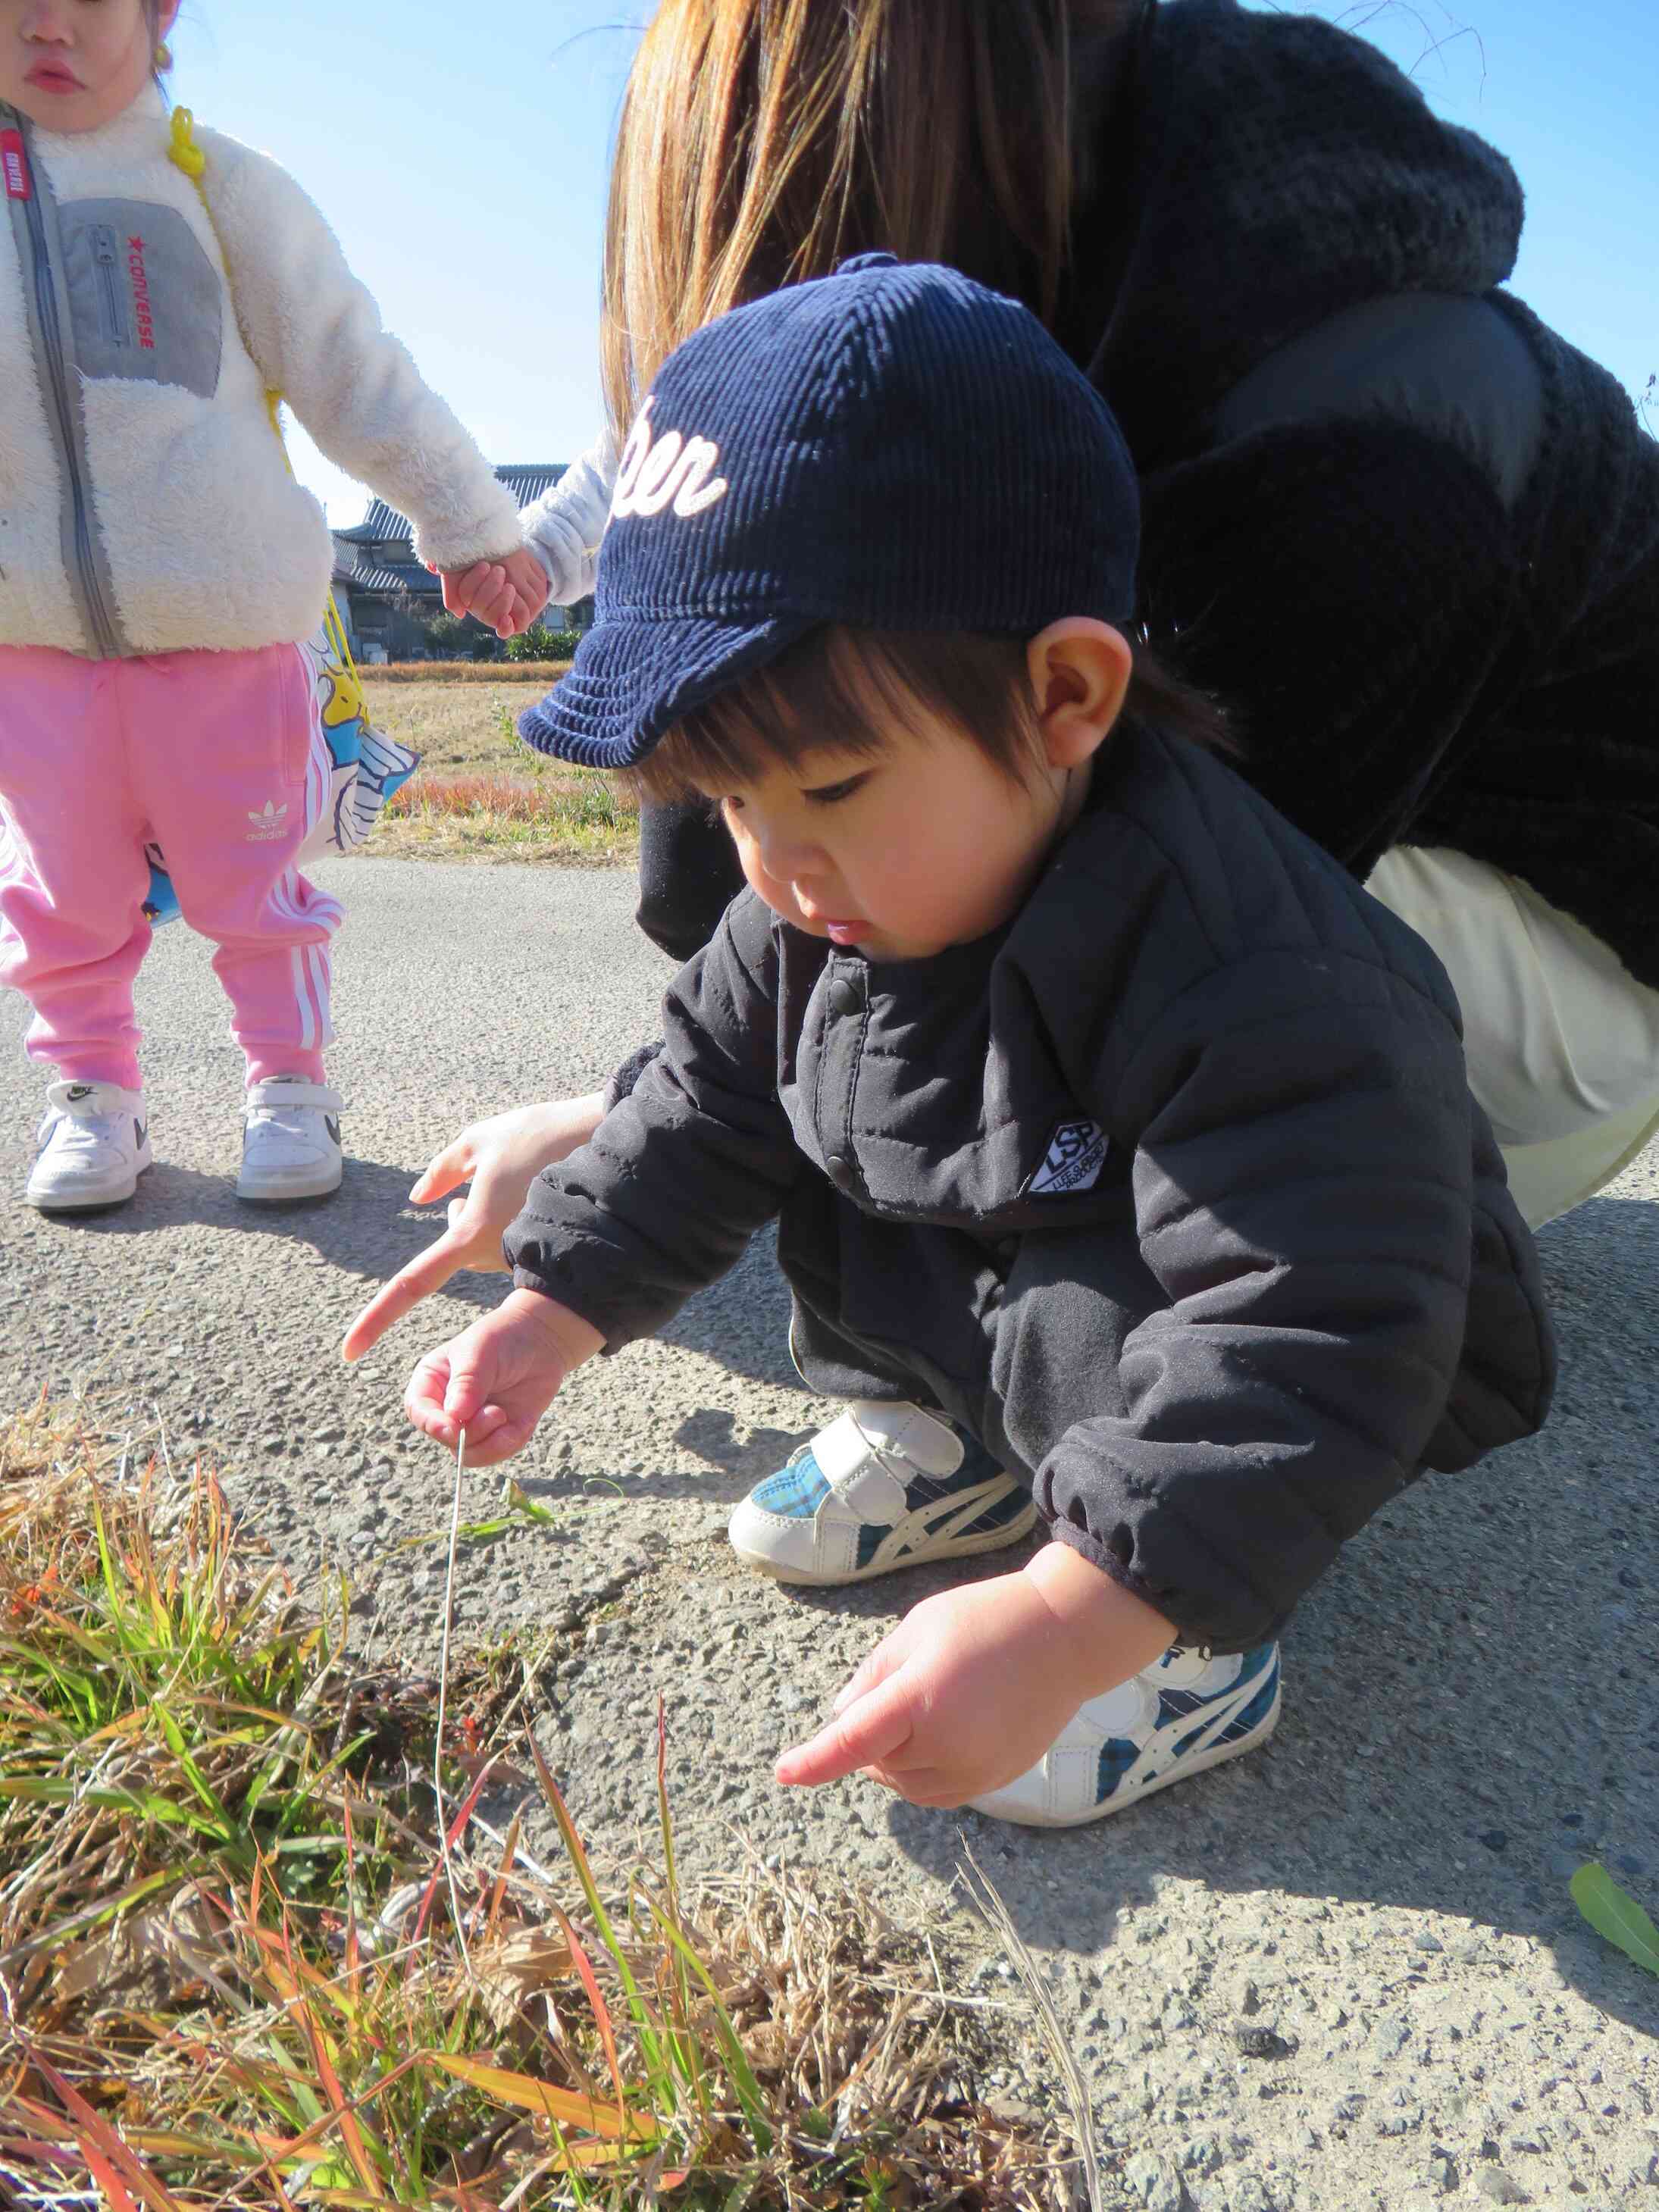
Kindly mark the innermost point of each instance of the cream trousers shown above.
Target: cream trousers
(1563, 1041)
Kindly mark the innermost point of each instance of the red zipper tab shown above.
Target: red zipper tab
(15, 161)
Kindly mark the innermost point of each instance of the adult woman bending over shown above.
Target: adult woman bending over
(1408, 533)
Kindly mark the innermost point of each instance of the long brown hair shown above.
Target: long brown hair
(763, 141)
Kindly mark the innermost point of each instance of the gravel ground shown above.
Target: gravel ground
(1344, 1973)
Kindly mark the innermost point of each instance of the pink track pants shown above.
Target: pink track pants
(217, 758)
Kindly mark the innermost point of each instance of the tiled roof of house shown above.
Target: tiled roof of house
(354, 569)
(525, 480)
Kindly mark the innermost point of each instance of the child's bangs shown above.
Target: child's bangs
(847, 692)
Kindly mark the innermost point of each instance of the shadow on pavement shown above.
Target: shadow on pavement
(369, 1230)
(368, 1227)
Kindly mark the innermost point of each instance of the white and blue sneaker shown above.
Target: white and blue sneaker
(885, 1485)
(95, 1145)
(1187, 1712)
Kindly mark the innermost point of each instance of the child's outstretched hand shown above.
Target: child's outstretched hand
(507, 594)
(497, 1379)
(973, 1686)
(502, 1156)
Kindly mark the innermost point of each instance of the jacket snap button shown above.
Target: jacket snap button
(845, 997)
(840, 1169)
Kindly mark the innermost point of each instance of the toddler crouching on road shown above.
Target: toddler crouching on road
(1126, 1173)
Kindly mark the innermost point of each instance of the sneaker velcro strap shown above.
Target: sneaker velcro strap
(854, 1470)
(926, 1442)
(277, 1092)
(871, 1453)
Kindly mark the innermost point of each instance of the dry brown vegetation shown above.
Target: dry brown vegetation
(481, 793)
(545, 673)
(259, 1949)
(457, 726)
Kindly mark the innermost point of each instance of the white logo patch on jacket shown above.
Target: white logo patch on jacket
(1077, 1153)
(668, 471)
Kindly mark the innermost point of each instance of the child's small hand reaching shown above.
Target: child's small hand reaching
(497, 1379)
(973, 1686)
(507, 594)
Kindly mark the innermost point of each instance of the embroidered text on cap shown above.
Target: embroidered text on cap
(667, 471)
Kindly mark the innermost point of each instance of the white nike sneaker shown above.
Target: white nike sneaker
(1187, 1712)
(95, 1145)
(884, 1486)
(290, 1141)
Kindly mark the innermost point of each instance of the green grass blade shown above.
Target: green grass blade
(743, 2078)
(192, 1773)
(683, 2044)
(139, 1804)
(108, 1908)
(541, 1516)
(1615, 1914)
(578, 1857)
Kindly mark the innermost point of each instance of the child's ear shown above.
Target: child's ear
(1080, 672)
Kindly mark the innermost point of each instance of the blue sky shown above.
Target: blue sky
(463, 166)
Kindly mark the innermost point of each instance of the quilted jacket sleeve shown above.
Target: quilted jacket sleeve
(683, 1170)
(1303, 1190)
(316, 335)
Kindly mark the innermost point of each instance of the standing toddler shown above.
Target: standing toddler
(158, 571)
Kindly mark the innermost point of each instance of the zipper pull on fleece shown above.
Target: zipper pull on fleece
(15, 162)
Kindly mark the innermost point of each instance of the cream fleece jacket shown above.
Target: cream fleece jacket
(172, 329)
(564, 527)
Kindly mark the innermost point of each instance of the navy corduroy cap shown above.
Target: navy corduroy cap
(892, 447)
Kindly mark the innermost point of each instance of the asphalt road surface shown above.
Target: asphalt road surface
(1472, 1697)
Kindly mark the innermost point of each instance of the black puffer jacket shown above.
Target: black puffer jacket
(1204, 1232)
(1410, 534)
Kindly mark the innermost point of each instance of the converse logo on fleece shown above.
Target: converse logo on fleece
(15, 162)
(1077, 1153)
(670, 472)
(270, 823)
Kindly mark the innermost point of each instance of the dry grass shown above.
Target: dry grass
(457, 727)
(568, 815)
(545, 673)
(237, 1970)
(481, 793)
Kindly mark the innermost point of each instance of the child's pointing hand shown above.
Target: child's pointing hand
(973, 1686)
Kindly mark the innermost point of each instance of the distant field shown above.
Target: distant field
(544, 673)
(480, 792)
(457, 726)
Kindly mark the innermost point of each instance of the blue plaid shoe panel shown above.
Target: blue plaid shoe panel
(796, 1492)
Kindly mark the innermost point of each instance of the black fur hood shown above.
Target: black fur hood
(1262, 172)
